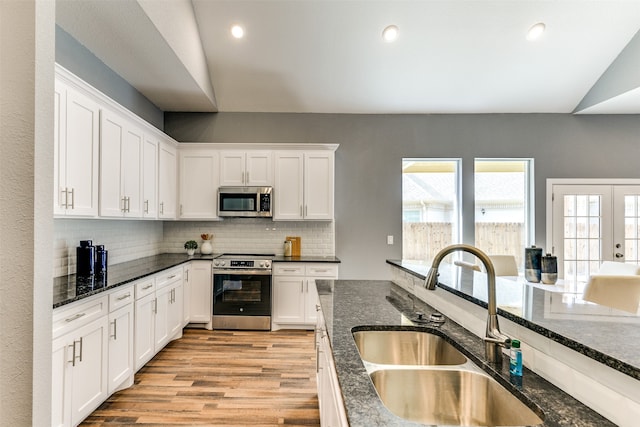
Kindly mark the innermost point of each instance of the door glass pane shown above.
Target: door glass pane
(582, 244)
(430, 200)
(631, 228)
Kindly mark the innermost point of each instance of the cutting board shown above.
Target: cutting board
(295, 245)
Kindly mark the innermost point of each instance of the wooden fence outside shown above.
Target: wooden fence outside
(421, 241)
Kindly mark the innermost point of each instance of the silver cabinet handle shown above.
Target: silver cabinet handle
(321, 271)
(128, 204)
(125, 296)
(73, 354)
(306, 210)
(146, 206)
(290, 269)
(155, 305)
(76, 317)
(247, 180)
(300, 210)
(73, 199)
(187, 274)
(302, 287)
(124, 205)
(115, 330)
(172, 276)
(144, 288)
(66, 198)
(181, 209)
(81, 349)
(162, 207)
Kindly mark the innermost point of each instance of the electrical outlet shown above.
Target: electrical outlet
(389, 240)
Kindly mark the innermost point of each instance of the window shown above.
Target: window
(430, 206)
(503, 215)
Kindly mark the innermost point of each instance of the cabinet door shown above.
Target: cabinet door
(112, 130)
(318, 185)
(131, 170)
(232, 168)
(144, 330)
(174, 317)
(311, 301)
(288, 300)
(61, 382)
(150, 179)
(167, 170)
(201, 292)
(161, 321)
(259, 168)
(81, 152)
(187, 287)
(59, 152)
(198, 184)
(89, 383)
(120, 347)
(288, 186)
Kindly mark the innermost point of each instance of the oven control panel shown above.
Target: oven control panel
(241, 263)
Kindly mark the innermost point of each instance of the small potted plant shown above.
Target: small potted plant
(191, 247)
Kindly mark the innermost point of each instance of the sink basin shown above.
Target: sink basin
(450, 397)
(406, 348)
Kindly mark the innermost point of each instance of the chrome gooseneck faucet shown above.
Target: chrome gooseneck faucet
(493, 338)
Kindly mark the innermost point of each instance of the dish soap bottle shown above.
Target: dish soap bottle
(515, 359)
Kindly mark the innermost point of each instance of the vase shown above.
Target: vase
(190, 252)
(206, 248)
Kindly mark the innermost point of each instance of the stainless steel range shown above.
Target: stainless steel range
(242, 291)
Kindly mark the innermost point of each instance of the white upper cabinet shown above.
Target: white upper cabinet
(304, 185)
(121, 145)
(150, 178)
(198, 184)
(167, 182)
(76, 139)
(246, 168)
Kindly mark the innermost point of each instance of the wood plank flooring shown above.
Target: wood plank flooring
(221, 378)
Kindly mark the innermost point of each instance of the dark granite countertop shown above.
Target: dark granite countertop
(68, 289)
(556, 312)
(383, 305)
(71, 288)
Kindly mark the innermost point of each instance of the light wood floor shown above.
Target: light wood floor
(221, 378)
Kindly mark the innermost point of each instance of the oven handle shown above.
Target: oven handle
(237, 272)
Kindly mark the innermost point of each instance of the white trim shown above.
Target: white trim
(258, 146)
(575, 181)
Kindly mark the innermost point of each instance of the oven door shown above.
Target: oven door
(241, 293)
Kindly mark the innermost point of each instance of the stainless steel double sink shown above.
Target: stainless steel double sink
(421, 377)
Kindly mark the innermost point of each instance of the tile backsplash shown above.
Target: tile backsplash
(127, 240)
(252, 235)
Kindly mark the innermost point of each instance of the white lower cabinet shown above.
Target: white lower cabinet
(121, 339)
(200, 298)
(158, 314)
(79, 370)
(295, 297)
(331, 405)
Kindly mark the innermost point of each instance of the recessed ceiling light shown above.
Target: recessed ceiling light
(390, 33)
(237, 31)
(536, 31)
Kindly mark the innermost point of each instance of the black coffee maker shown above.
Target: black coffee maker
(85, 258)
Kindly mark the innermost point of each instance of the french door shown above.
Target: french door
(592, 223)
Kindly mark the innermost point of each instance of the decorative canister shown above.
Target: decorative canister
(549, 269)
(533, 264)
(287, 247)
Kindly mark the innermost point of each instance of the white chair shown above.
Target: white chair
(615, 285)
(505, 265)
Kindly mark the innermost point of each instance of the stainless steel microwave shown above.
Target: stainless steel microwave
(245, 202)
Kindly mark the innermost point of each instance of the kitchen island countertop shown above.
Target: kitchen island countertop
(382, 304)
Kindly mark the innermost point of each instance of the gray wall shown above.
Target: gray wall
(368, 162)
(79, 60)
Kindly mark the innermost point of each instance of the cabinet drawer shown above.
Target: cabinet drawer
(120, 297)
(322, 270)
(77, 314)
(145, 287)
(168, 276)
(288, 269)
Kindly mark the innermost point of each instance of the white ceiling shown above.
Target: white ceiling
(324, 56)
